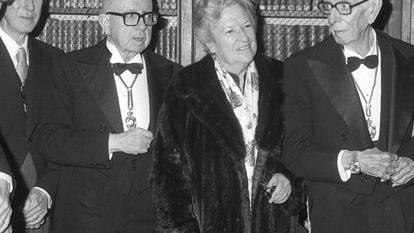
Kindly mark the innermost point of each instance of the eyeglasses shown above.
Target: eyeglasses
(132, 18)
(344, 8)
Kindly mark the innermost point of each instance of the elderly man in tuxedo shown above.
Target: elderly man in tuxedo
(103, 112)
(25, 63)
(349, 116)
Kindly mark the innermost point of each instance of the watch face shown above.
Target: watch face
(355, 167)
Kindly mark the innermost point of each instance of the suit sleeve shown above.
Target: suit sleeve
(5, 171)
(302, 155)
(49, 178)
(171, 188)
(58, 138)
(4, 164)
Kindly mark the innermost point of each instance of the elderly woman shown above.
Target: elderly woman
(217, 147)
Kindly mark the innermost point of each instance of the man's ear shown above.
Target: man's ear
(104, 22)
(374, 10)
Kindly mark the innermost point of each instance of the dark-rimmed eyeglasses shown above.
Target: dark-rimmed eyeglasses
(344, 8)
(132, 18)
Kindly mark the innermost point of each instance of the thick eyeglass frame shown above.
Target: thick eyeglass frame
(143, 16)
(326, 11)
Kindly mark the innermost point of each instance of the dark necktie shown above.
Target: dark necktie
(134, 68)
(354, 62)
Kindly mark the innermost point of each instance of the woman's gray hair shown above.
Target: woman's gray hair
(207, 12)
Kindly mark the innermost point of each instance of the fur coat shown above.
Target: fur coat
(199, 179)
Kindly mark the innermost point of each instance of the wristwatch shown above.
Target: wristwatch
(354, 166)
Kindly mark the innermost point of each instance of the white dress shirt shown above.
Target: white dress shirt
(364, 78)
(12, 49)
(140, 94)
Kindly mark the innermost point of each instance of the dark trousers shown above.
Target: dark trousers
(376, 216)
(106, 206)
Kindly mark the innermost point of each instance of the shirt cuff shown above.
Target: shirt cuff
(49, 199)
(8, 179)
(344, 174)
(412, 133)
(109, 148)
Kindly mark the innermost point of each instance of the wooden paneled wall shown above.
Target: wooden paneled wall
(400, 23)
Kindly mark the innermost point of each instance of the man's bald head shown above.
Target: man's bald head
(108, 5)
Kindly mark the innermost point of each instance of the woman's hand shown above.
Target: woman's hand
(282, 189)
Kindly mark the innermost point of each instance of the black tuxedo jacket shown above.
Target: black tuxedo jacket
(324, 116)
(85, 110)
(16, 126)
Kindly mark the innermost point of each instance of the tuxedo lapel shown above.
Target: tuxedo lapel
(337, 83)
(397, 94)
(155, 76)
(98, 76)
(387, 77)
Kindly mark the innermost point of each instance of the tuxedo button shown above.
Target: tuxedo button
(103, 128)
(364, 179)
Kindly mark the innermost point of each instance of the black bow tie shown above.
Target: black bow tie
(371, 62)
(119, 68)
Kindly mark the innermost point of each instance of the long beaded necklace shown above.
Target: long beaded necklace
(372, 129)
(130, 120)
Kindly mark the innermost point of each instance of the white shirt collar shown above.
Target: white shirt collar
(116, 56)
(12, 46)
(372, 51)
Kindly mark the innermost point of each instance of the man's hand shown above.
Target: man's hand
(282, 188)
(377, 163)
(134, 141)
(5, 208)
(404, 172)
(35, 208)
